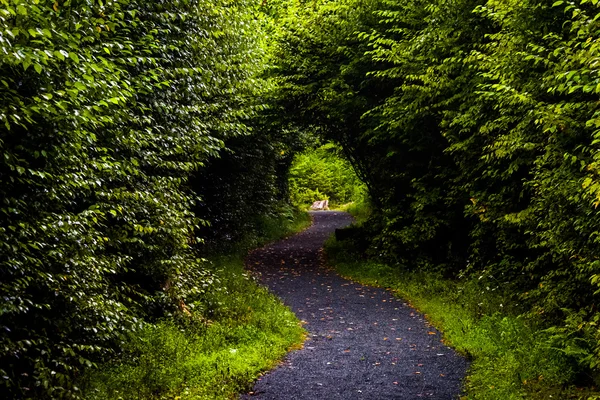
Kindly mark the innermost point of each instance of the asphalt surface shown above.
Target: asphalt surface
(363, 343)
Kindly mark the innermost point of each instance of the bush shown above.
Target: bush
(216, 349)
(321, 174)
(107, 107)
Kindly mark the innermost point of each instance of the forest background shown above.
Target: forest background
(142, 139)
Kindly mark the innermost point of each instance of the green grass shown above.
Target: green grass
(360, 210)
(232, 334)
(511, 359)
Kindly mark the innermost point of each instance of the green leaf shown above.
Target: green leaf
(26, 63)
(74, 57)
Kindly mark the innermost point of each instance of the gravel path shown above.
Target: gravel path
(363, 343)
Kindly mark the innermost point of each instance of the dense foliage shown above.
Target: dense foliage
(321, 174)
(474, 125)
(232, 334)
(132, 132)
(107, 109)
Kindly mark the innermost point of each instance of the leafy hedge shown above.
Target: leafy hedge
(107, 107)
(247, 183)
(475, 126)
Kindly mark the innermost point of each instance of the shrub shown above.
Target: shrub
(107, 107)
(321, 174)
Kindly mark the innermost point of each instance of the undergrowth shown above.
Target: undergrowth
(510, 357)
(218, 346)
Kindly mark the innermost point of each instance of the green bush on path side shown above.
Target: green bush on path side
(231, 335)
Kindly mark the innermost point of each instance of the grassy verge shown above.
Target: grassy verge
(234, 333)
(360, 210)
(511, 359)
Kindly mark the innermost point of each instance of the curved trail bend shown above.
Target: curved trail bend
(363, 343)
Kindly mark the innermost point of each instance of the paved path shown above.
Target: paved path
(363, 343)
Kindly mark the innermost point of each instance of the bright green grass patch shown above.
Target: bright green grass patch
(360, 209)
(510, 358)
(229, 337)
(209, 360)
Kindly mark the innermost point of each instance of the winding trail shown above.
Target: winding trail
(363, 343)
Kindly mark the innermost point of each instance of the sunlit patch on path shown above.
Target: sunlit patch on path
(363, 342)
